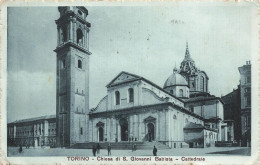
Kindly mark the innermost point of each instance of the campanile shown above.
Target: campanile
(72, 90)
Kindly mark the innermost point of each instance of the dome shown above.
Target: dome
(175, 79)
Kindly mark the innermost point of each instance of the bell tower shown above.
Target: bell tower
(72, 90)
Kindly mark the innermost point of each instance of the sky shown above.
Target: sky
(144, 40)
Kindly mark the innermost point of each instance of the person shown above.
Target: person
(135, 147)
(98, 148)
(154, 151)
(109, 149)
(94, 150)
(20, 148)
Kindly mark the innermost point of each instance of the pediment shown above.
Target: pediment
(123, 77)
(150, 118)
(100, 124)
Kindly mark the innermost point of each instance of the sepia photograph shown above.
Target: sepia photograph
(136, 81)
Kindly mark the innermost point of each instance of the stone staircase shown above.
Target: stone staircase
(150, 145)
(223, 144)
(122, 145)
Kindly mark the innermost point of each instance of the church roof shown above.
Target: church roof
(125, 77)
(137, 109)
(202, 98)
(192, 126)
(174, 80)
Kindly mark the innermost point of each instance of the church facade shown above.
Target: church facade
(182, 113)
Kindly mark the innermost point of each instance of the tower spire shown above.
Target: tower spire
(187, 53)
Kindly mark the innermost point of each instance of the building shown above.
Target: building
(232, 113)
(40, 131)
(237, 107)
(72, 94)
(245, 96)
(181, 114)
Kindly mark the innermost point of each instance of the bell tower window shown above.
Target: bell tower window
(79, 37)
(79, 64)
(64, 35)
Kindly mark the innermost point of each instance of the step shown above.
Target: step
(122, 145)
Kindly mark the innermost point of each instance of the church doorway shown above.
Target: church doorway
(124, 129)
(150, 135)
(100, 134)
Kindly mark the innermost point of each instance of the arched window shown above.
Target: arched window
(181, 93)
(64, 34)
(171, 92)
(201, 83)
(117, 97)
(131, 95)
(79, 37)
(80, 64)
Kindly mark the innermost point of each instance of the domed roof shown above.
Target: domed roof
(175, 79)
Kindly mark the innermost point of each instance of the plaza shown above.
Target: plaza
(212, 151)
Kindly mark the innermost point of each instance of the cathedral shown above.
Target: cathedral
(180, 114)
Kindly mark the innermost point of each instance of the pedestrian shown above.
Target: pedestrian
(25, 144)
(135, 147)
(94, 149)
(98, 148)
(109, 149)
(154, 151)
(20, 148)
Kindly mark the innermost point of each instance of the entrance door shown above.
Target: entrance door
(36, 142)
(100, 134)
(124, 129)
(150, 135)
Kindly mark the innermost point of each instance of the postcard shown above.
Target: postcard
(171, 82)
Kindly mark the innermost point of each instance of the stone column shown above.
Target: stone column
(136, 126)
(14, 131)
(87, 44)
(105, 129)
(157, 128)
(84, 36)
(166, 125)
(46, 127)
(114, 128)
(74, 30)
(118, 131)
(226, 138)
(130, 127)
(71, 30)
(219, 131)
(92, 130)
(139, 128)
(59, 35)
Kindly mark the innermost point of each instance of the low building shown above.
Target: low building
(36, 132)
